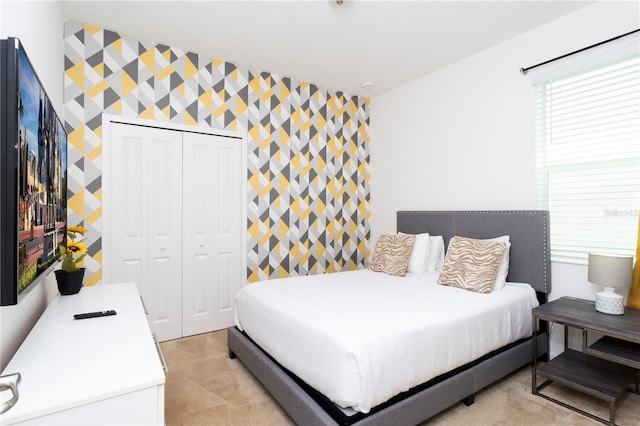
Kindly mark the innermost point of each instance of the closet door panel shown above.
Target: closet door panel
(208, 283)
(199, 201)
(165, 232)
(228, 227)
(128, 211)
(145, 212)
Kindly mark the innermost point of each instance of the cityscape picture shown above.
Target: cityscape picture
(42, 180)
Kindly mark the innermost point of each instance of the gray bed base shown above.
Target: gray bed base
(304, 410)
(529, 262)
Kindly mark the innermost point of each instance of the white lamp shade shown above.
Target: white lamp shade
(610, 270)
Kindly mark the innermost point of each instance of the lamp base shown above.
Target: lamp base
(609, 302)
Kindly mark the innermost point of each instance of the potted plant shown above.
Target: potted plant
(69, 277)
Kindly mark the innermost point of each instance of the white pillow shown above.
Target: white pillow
(419, 255)
(503, 269)
(436, 253)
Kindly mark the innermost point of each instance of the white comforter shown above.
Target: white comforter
(361, 337)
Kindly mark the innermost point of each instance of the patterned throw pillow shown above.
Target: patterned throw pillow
(472, 264)
(392, 254)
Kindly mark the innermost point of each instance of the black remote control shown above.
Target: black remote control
(95, 314)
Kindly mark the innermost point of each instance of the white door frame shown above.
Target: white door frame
(107, 119)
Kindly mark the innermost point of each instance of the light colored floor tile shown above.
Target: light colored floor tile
(205, 387)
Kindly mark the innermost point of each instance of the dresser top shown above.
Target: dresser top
(66, 362)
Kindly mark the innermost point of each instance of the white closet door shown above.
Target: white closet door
(146, 220)
(212, 229)
(128, 207)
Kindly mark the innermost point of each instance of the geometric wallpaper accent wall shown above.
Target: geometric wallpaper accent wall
(308, 200)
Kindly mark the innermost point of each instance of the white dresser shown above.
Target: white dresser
(105, 370)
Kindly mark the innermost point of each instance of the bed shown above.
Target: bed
(417, 401)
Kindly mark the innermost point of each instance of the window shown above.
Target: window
(588, 159)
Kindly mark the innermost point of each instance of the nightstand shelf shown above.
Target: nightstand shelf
(604, 369)
(605, 380)
(620, 351)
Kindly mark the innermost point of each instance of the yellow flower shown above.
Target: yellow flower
(73, 247)
(79, 229)
(75, 251)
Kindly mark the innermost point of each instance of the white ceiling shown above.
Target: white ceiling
(387, 43)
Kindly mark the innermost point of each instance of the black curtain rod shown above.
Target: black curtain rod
(524, 70)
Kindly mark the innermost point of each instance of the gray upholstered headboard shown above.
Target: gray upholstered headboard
(529, 259)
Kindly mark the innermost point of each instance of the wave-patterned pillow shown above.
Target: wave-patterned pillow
(472, 264)
(392, 254)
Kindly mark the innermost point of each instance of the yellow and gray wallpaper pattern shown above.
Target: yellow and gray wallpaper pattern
(308, 198)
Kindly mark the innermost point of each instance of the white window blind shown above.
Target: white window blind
(588, 159)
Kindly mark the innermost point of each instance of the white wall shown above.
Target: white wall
(39, 26)
(463, 137)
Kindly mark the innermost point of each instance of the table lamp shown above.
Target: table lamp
(610, 271)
